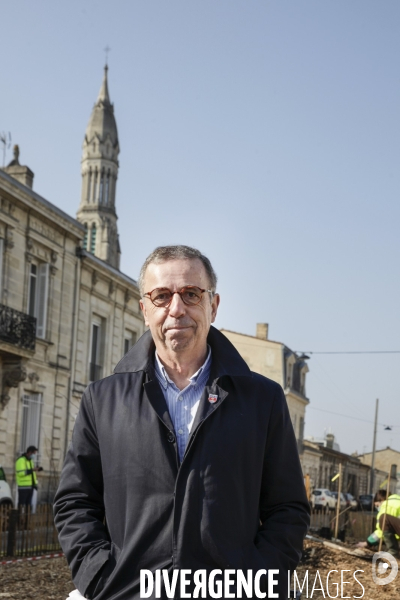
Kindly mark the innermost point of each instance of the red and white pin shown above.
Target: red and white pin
(212, 398)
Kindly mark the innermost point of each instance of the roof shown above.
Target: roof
(41, 201)
(252, 336)
(380, 450)
(102, 121)
(101, 263)
(342, 455)
(51, 207)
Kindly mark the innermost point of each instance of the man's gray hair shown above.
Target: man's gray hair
(166, 253)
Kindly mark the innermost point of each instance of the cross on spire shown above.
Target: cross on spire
(107, 50)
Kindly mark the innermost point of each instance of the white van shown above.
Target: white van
(323, 498)
(5, 492)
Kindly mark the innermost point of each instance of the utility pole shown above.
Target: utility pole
(372, 482)
(338, 501)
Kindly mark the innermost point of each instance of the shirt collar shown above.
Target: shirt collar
(226, 360)
(161, 372)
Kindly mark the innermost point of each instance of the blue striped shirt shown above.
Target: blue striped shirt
(183, 404)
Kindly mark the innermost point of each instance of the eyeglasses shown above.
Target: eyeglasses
(190, 294)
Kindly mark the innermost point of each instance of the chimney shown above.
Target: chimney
(262, 331)
(330, 438)
(22, 174)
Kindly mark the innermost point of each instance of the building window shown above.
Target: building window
(32, 290)
(89, 184)
(38, 296)
(107, 187)
(303, 383)
(31, 413)
(289, 369)
(1, 265)
(85, 239)
(101, 187)
(129, 340)
(96, 350)
(94, 185)
(301, 430)
(93, 238)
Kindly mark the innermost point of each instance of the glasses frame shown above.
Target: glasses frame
(180, 292)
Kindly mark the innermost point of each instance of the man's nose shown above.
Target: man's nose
(177, 306)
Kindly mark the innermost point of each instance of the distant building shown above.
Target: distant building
(326, 458)
(67, 314)
(328, 441)
(276, 361)
(385, 459)
(355, 476)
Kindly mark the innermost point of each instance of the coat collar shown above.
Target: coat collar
(226, 360)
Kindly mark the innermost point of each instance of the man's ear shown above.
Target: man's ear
(214, 306)
(143, 309)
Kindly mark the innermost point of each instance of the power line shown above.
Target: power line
(340, 414)
(351, 352)
(349, 416)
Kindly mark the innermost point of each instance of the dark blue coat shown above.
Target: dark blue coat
(236, 501)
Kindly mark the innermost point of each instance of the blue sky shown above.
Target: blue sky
(266, 133)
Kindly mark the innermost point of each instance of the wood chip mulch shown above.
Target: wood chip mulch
(50, 579)
(317, 557)
(45, 579)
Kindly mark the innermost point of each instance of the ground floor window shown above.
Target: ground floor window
(31, 414)
(130, 338)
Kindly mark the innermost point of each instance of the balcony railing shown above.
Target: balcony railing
(95, 372)
(17, 328)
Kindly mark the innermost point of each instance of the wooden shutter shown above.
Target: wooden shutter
(41, 299)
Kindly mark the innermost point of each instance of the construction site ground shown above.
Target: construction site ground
(50, 579)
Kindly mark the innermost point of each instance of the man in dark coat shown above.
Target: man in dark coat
(183, 458)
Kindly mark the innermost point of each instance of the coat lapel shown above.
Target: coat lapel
(206, 408)
(156, 398)
(153, 393)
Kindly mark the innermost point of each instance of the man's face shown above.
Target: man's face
(179, 328)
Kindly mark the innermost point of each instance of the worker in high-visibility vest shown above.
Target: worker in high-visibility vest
(387, 526)
(25, 472)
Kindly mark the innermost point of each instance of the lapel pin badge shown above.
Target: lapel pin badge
(212, 398)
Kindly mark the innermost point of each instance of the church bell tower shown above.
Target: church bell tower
(99, 178)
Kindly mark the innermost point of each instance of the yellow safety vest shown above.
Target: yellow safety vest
(391, 506)
(22, 466)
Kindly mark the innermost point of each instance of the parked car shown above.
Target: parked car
(343, 503)
(5, 492)
(322, 498)
(351, 501)
(366, 502)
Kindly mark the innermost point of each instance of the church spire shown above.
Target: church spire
(103, 93)
(99, 178)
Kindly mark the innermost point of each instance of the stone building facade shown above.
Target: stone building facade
(276, 361)
(321, 459)
(67, 314)
(386, 460)
(310, 462)
(355, 475)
